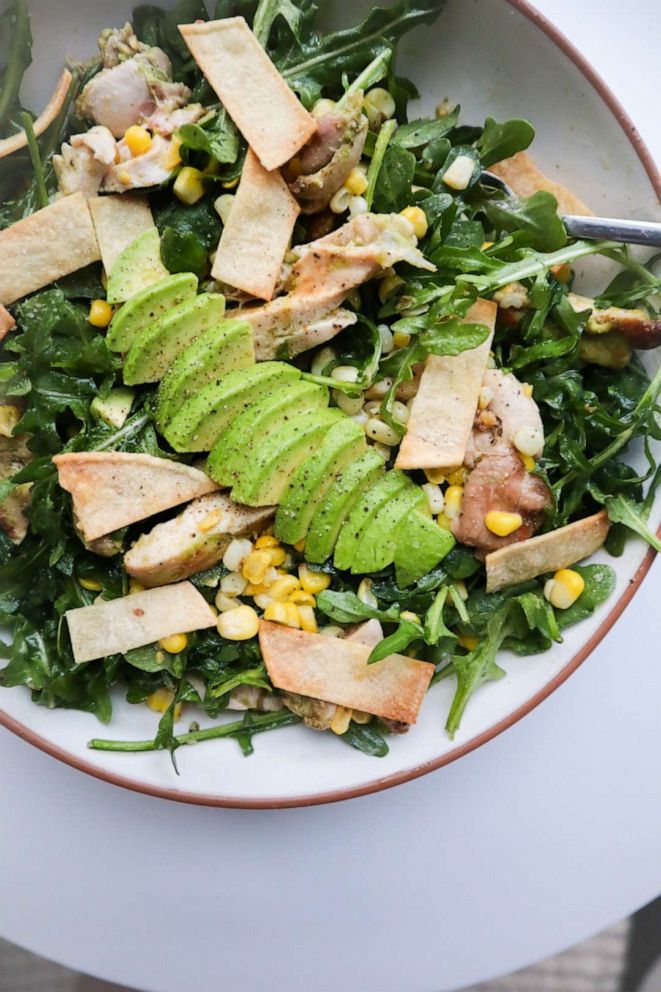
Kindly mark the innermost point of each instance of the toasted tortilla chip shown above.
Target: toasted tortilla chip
(525, 178)
(547, 552)
(338, 673)
(7, 322)
(20, 140)
(267, 113)
(444, 408)
(112, 489)
(45, 246)
(120, 625)
(258, 231)
(369, 633)
(118, 220)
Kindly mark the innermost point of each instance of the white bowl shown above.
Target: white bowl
(498, 58)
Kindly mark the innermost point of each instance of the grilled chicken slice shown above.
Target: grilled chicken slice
(84, 162)
(515, 409)
(150, 169)
(14, 455)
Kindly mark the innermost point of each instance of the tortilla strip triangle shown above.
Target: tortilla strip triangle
(370, 633)
(337, 672)
(546, 552)
(443, 410)
(267, 113)
(119, 625)
(7, 322)
(118, 220)
(522, 174)
(112, 489)
(20, 140)
(258, 231)
(45, 246)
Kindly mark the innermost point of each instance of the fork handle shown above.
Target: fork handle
(630, 231)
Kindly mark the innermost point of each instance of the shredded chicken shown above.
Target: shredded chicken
(513, 407)
(149, 169)
(14, 455)
(83, 163)
(252, 697)
(166, 122)
(119, 44)
(636, 325)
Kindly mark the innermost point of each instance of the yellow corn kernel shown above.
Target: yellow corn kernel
(135, 586)
(564, 588)
(278, 556)
(173, 157)
(314, 582)
(389, 286)
(528, 461)
(209, 521)
(356, 182)
(285, 613)
(307, 619)
(138, 139)
(527, 389)
(501, 523)
(124, 177)
(300, 545)
(90, 584)
(174, 644)
(100, 313)
(468, 641)
(444, 521)
(562, 272)
(159, 657)
(104, 279)
(453, 498)
(231, 183)
(255, 590)
(457, 476)
(188, 186)
(400, 339)
(255, 566)
(360, 717)
(486, 244)
(238, 625)
(9, 417)
(283, 588)
(302, 598)
(435, 475)
(266, 541)
(160, 700)
(410, 616)
(340, 722)
(417, 218)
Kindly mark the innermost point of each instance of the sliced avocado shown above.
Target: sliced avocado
(138, 266)
(156, 347)
(338, 503)
(202, 419)
(115, 408)
(344, 443)
(235, 444)
(276, 459)
(378, 542)
(223, 348)
(363, 513)
(146, 306)
(421, 544)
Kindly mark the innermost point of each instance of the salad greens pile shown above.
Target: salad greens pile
(480, 241)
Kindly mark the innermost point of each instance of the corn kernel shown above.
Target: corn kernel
(379, 431)
(340, 722)
(529, 441)
(9, 417)
(331, 631)
(90, 584)
(124, 177)
(562, 272)
(435, 475)
(410, 616)
(283, 588)
(284, 613)
(100, 313)
(302, 598)
(231, 183)
(365, 594)
(527, 389)
(135, 586)
(233, 584)
(174, 644)
(486, 244)
(460, 586)
(173, 157)
(255, 590)
(417, 218)
(501, 523)
(564, 588)
(435, 498)
(223, 206)
(236, 553)
(379, 106)
(457, 476)
(486, 395)
(209, 521)
(459, 174)
(300, 545)
(453, 499)
(323, 107)
(138, 139)
(468, 641)
(262, 599)
(530, 463)
(345, 373)
(188, 186)
(401, 339)
(444, 521)
(278, 556)
(160, 700)
(339, 202)
(356, 182)
(389, 286)
(351, 405)
(307, 619)
(266, 541)
(360, 717)
(313, 582)
(255, 566)
(238, 625)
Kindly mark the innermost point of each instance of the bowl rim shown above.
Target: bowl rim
(398, 778)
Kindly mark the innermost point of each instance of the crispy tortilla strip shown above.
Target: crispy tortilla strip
(45, 246)
(20, 140)
(267, 113)
(369, 633)
(547, 552)
(444, 407)
(7, 322)
(120, 625)
(258, 231)
(112, 489)
(338, 673)
(525, 178)
(118, 220)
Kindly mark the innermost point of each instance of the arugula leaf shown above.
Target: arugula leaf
(434, 628)
(622, 510)
(345, 607)
(398, 641)
(16, 23)
(534, 218)
(365, 738)
(182, 252)
(499, 141)
(425, 130)
(200, 219)
(600, 582)
(217, 137)
(266, 13)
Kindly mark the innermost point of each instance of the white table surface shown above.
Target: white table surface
(541, 838)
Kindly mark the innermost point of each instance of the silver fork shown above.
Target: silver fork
(635, 232)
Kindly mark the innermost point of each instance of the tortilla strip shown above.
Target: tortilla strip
(120, 625)
(112, 489)
(7, 322)
(338, 672)
(370, 633)
(267, 113)
(20, 140)
(258, 231)
(118, 220)
(525, 178)
(45, 246)
(444, 407)
(546, 552)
